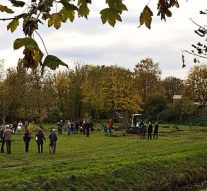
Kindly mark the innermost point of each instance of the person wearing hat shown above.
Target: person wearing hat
(40, 138)
(53, 140)
(27, 137)
(7, 137)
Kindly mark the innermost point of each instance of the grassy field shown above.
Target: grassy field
(99, 162)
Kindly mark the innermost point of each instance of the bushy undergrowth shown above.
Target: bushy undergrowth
(202, 121)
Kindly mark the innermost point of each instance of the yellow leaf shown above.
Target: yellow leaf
(13, 25)
(146, 17)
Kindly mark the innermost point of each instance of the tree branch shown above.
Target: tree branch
(200, 56)
(149, 2)
(198, 25)
(42, 42)
(7, 19)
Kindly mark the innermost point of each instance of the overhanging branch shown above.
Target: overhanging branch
(200, 56)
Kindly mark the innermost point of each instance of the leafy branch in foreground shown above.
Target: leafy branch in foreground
(56, 12)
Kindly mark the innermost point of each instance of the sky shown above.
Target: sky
(91, 42)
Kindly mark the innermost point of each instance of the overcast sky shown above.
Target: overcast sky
(91, 42)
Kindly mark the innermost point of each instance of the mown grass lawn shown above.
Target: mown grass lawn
(101, 158)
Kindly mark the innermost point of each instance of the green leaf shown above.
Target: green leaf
(37, 55)
(110, 15)
(13, 25)
(83, 2)
(53, 62)
(146, 17)
(83, 10)
(5, 9)
(27, 42)
(55, 19)
(117, 4)
(67, 14)
(17, 3)
(69, 6)
(123, 8)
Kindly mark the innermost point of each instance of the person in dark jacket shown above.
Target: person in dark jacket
(53, 140)
(40, 138)
(155, 135)
(15, 124)
(2, 138)
(76, 127)
(150, 129)
(27, 137)
(60, 127)
(87, 128)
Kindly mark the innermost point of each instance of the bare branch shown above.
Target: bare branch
(42, 42)
(198, 25)
(149, 2)
(197, 55)
(7, 19)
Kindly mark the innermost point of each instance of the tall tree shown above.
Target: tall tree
(118, 92)
(2, 104)
(51, 99)
(75, 96)
(147, 78)
(37, 107)
(196, 84)
(61, 88)
(154, 106)
(91, 89)
(14, 88)
(24, 94)
(173, 86)
(110, 89)
(188, 109)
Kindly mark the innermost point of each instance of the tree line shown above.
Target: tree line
(96, 92)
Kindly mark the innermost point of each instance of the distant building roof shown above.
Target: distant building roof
(177, 97)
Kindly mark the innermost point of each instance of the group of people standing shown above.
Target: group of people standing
(82, 126)
(71, 127)
(6, 132)
(151, 133)
(40, 139)
(6, 135)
